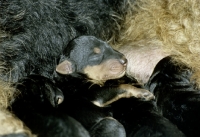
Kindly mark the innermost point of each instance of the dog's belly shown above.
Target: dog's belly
(142, 59)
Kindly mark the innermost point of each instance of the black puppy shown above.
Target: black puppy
(176, 111)
(81, 61)
(91, 59)
(35, 106)
(177, 97)
(141, 118)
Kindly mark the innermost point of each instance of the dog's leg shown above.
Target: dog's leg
(107, 95)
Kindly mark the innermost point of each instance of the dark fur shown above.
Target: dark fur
(39, 30)
(175, 112)
(35, 110)
(142, 118)
(38, 95)
(177, 98)
(170, 115)
(33, 106)
(139, 118)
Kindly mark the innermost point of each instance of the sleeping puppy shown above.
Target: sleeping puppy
(177, 97)
(93, 60)
(85, 65)
(35, 106)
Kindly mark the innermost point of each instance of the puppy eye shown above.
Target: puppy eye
(95, 58)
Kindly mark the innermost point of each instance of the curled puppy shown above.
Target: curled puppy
(36, 107)
(177, 97)
(86, 63)
(98, 62)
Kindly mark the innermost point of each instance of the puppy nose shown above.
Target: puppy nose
(123, 61)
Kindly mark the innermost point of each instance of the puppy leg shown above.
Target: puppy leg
(107, 95)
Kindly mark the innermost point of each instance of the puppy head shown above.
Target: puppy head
(92, 57)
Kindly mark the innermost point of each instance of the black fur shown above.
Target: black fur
(33, 106)
(177, 97)
(37, 102)
(40, 29)
(142, 118)
(170, 115)
(176, 111)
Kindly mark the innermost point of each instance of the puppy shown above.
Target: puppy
(35, 106)
(87, 56)
(78, 81)
(177, 97)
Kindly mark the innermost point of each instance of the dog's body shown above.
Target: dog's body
(82, 58)
(36, 111)
(32, 29)
(175, 111)
(38, 31)
(177, 96)
(171, 26)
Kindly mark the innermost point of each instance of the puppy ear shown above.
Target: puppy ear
(65, 66)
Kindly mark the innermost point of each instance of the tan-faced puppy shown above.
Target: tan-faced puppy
(97, 62)
(85, 61)
(92, 57)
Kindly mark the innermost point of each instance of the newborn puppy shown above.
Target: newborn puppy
(92, 57)
(94, 60)
(85, 65)
(176, 95)
(35, 106)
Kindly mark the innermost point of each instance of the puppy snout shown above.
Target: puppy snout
(123, 61)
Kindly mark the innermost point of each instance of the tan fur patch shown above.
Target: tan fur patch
(97, 50)
(130, 91)
(9, 123)
(110, 69)
(174, 23)
(12, 125)
(6, 94)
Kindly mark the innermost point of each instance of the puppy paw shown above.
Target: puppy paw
(132, 91)
(145, 95)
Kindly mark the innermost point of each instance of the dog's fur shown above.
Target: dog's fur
(10, 124)
(39, 95)
(83, 100)
(35, 32)
(170, 25)
(39, 31)
(177, 98)
(38, 111)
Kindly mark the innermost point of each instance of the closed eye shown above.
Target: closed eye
(95, 58)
